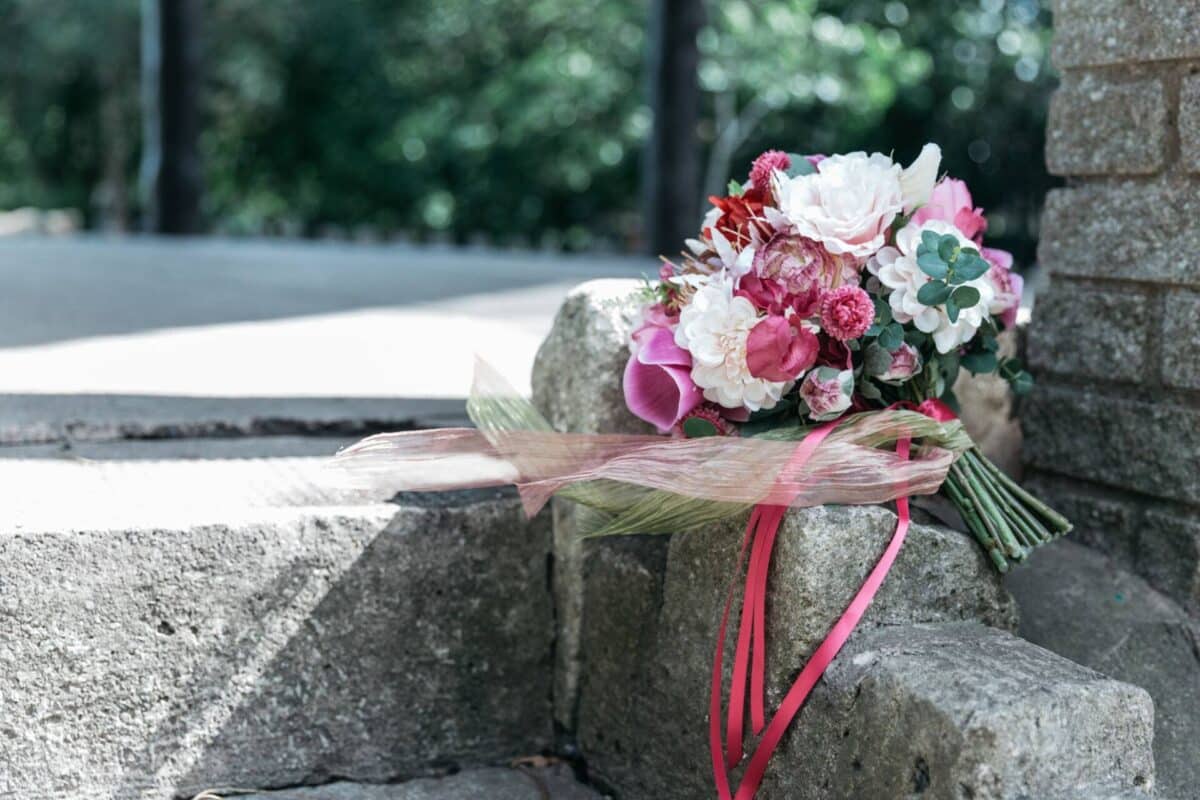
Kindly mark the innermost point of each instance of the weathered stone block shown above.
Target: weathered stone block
(1189, 122)
(1139, 232)
(1181, 340)
(577, 385)
(1099, 32)
(1137, 445)
(1077, 603)
(1111, 525)
(1091, 332)
(647, 644)
(495, 783)
(1100, 127)
(1169, 556)
(145, 656)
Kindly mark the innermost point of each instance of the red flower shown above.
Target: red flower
(740, 217)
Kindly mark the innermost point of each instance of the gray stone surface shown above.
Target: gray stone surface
(1169, 555)
(1075, 602)
(1111, 524)
(1181, 340)
(1099, 126)
(1189, 122)
(577, 385)
(1100, 32)
(1124, 231)
(1141, 445)
(1092, 332)
(495, 783)
(309, 633)
(647, 641)
(66, 419)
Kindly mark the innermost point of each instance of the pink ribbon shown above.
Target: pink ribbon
(750, 653)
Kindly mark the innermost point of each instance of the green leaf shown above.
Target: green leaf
(800, 166)
(876, 359)
(949, 368)
(932, 265)
(883, 311)
(933, 293)
(735, 189)
(948, 248)
(697, 428)
(874, 330)
(966, 296)
(891, 338)
(930, 240)
(916, 338)
(970, 265)
(869, 390)
(951, 309)
(1022, 383)
(987, 342)
(979, 363)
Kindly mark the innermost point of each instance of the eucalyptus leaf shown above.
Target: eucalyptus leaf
(970, 265)
(1022, 384)
(933, 293)
(948, 248)
(979, 363)
(883, 311)
(891, 338)
(930, 240)
(932, 265)
(966, 296)
(876, 359)
(869, 390)
(735, 189)
(951, 309)
(800, 166)
(698, 428)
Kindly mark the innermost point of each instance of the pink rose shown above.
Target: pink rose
(951, 202)
(906, 362)
(773, 297)
(779, 351)
(1008, 285)
(846, 313)
(658, 377)
(827, 391)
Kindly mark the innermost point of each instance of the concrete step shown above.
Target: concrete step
(495, 783)
(1079, 603)
(170, 625)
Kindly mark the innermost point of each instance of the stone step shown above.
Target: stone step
(166, 626)
(495, 783)
(1077, 602)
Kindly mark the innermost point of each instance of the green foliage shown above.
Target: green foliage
(519, 119)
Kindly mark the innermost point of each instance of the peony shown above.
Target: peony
(714, 328)
(658, 384)
(846, 313)
(826, 392)
(906, 362)
(850, 202)
(897, 270)
(802, 264)
(951, 202)
(778, 350)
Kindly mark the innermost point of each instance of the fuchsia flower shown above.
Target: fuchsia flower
(776, 350)
(951, 202)
(773, 297)
(658, 377)
(1009, 285)
(846, 313)
(766, 164)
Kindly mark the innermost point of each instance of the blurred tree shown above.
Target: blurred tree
(519, 120)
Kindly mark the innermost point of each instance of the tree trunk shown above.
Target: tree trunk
(671, 167)
(170, 171)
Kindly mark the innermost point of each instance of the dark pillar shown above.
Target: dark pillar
(170, 171)
(671, 171)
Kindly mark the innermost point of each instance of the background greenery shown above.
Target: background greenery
(520, 121)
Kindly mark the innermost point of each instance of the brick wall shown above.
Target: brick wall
(1113, 431)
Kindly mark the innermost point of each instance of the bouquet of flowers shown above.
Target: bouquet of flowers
(802, 351)
(828, 286)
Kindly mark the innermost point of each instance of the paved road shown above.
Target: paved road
(206, 317)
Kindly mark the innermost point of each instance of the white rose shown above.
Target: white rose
(847, 204)
(897, 270)
(713, 327)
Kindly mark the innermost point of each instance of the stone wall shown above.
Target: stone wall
(1112, 435)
